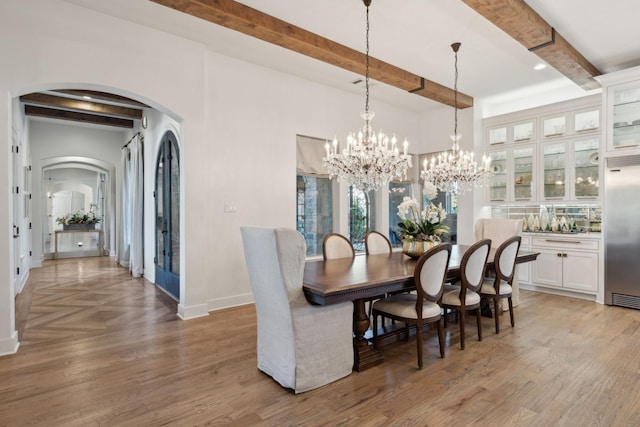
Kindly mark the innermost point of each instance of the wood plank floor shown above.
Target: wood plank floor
(99, 348)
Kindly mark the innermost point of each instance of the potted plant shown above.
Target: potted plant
(421, 230)
(80, 220)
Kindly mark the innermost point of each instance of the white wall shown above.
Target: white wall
(237, 126)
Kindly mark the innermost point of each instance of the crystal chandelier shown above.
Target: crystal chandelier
(456, 171)
(369, 160)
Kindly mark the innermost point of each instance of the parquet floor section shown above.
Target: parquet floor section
(99, 348)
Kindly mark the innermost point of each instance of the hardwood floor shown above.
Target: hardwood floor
(101, 348)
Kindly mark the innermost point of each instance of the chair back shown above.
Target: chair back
(335, 245)
(473, 265)
(431, 272)
(376, 243)
(497, 229)
(505, 260)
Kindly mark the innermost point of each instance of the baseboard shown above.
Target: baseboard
(228, 302)
(10, 345)
(23, 281)
(192, 312)
(561, 292)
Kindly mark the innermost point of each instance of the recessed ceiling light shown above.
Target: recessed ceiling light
(540, 67)
(87, 97)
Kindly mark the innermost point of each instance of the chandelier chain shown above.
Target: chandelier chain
(366, 67)
(455, 96)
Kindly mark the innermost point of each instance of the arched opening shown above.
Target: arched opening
(167, 224)
(66, 173)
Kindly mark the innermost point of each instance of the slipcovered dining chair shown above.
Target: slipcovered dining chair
(465, 297)
(376, 243)
(421, 308)
(500, 286)
(499, 230)
(335, 245)
(301, 346)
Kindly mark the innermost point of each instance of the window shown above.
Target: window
(314, 211)
(449, 203)
(397, 192)
(314, 194)
(361, 216)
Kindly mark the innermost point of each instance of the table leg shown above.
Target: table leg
(365, 355)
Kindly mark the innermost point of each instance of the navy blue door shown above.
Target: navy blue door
(167, 194)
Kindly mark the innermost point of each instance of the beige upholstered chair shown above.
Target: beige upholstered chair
(499, 230)
(301, 346)
(500, 286)
(464, 297)
(376, 243)
(335, 245)
(421, 308)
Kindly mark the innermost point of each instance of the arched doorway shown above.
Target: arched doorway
(167, 201)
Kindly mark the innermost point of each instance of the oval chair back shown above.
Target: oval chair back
(335, 245)
(376, 243)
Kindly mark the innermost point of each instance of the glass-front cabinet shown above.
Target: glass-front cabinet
(551, 154)
(497, 186)
(554, 171)
(576, 163)
(625, 125)
(523, 173)
(586, 182)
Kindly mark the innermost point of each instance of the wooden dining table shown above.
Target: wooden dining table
(364, 277)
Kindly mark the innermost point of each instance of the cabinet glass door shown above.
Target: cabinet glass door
(523, 173)
(523, 132)
(554, 173)
(626, 117)
(587, 169)
(498, 135)
(498, 182)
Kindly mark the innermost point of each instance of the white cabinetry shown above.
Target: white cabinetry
(546, 154)
(569, 263)
(621, 92)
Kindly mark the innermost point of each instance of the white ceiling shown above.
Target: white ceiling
(415, 35)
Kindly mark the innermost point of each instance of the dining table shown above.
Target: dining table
(365, 277)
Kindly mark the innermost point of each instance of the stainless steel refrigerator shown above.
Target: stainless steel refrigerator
(622, 231)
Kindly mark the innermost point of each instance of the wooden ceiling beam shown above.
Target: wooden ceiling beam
(521, 22)
(46, 100)
(102, 96)
(51, 113)
(249, 21)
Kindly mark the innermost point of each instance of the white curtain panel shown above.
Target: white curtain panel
(136, 183)
(124, 228)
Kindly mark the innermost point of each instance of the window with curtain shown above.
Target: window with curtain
(398, 190)
(361, 216)
(449, 203)
(314, 194)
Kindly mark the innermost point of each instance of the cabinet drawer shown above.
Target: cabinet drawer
(563, 243)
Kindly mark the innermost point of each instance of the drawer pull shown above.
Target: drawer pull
(562, 241)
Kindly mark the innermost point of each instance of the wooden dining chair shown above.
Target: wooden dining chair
(500, 286)
(335, 245)
(465, 297)
(376, 243)
(420, 308)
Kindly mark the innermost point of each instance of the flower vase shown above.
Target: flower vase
(415, 248)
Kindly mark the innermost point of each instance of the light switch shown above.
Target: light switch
(230, 207)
